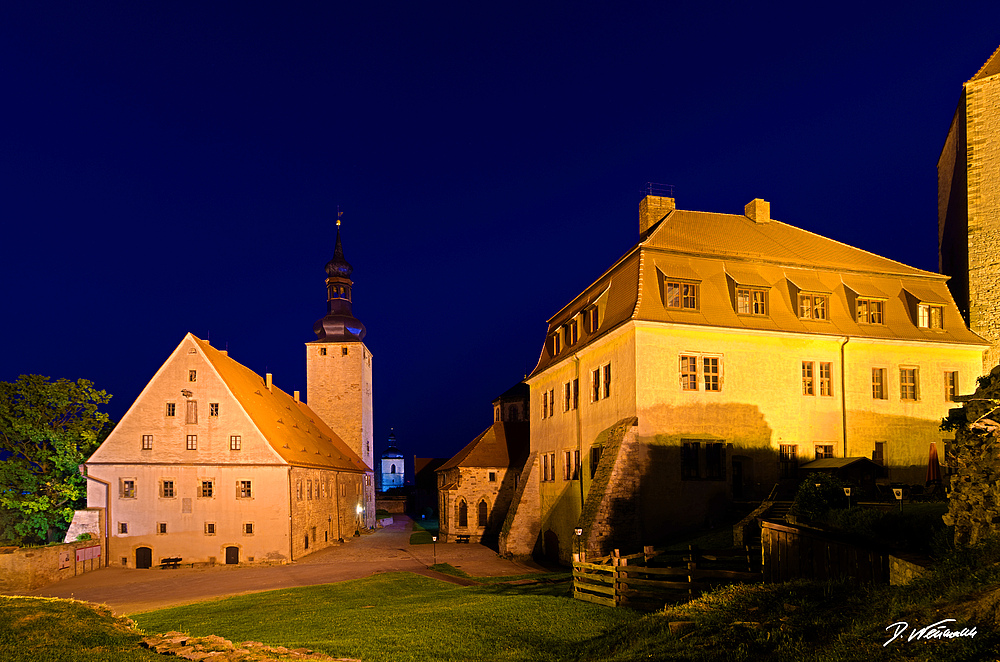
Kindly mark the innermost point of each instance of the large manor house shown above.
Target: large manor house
(714, 362)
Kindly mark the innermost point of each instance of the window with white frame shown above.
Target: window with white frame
(127, 488)
(700, 372)
(950, 385)
(678, 295)
(192, 442)
(871, 311)
(244, 489)
(206, 489)
(824, 451)
(825, 379)
(147, 442)
(808, 385)
(751, 301)
(167, 488)
(909, 383)
(235, 442)
(930, 316)
(813, 306)
(879, 388)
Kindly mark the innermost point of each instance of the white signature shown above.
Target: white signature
(933, 631)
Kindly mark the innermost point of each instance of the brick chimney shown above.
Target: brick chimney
(651, 209)
(758, 211)
(267, 380)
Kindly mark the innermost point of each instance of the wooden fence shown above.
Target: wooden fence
(791, 552)
(652, 578)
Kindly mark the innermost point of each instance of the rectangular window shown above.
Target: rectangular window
(689, 460)
(192, 375)
(167, 489)
(209, 528)
(493, 476)
(572, 333)
(593, 319)
(909, 386)
(878, 455)
(576, 393)
(714, 461)
(248, 528)
(930, 317)
(235, 442)
(343, 351)
(595, 385)
(879, 391)
(595, 459)
(127, 488)
(607, 381)
(824, 451)
(556, 341)
(950, 385)
(813, 306)
(298, 490)
(122, 527)
(322, 351)
(826, 379)
(567, 465)
(171, 409)
(552, 466)
(192, 442)
(213, 409)
(207, 489)
(712, 373)
(807, 378)
(751, 301)
(309, 489)
(689, 373)
(870, 311)
(576, 465)
(161, 528)
(567, 396)
(147, 442)
(244, 489)
(788, 460)
(545, 467)
(681, 296)
(192, 411)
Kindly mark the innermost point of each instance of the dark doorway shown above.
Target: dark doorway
(232, 555)
(143, 557)
(737, 480)
(551, 541)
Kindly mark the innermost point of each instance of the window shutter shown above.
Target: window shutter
(121, 488)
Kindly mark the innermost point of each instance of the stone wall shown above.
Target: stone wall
(28, 568)
(610, 513)
(519, 534)
(394, 505)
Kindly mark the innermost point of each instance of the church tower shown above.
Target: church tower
(339, 370)
(969, 206)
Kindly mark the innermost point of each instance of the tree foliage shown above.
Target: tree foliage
(47, 430)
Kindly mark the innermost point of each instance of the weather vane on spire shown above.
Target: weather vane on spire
(339, 214)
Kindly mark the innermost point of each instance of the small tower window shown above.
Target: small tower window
(343, 351)
(322, 351)
(192, 375)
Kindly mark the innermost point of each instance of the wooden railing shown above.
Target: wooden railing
(653, 577)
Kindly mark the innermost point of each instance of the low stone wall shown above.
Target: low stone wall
(904, 569)
(394, 505)
(28, 568)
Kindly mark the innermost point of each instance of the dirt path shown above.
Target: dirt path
(129, 591)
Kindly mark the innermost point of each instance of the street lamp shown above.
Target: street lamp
(898, 493)
(847, 493)
(434, 544)
(357, 523)
(579, 532)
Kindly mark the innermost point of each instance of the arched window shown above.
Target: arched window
(482, 512)
(463, 513)
(392, 469)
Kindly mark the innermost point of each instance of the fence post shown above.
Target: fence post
(648, 554)
(692, 565)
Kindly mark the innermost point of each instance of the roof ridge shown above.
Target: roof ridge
(989, 60)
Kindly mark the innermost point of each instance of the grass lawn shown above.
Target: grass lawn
(402, 616)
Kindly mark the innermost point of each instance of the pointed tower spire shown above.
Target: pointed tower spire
(339, 324)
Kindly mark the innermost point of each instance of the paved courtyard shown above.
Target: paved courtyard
(128, 591)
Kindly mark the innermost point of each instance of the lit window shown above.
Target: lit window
(147, 442)
(909, 386)
(572, 333)
(681, 296)
(689, 373)
(826, 379)
(824, 451)
(167, 489)
(788, 460)
(209, 528)
(235, 441)
(127, 489)
(751, 301)
(207, 489)
(870, 311)
(192, 375)
(192, 442)
(950, 386)
(171, 409)
(879, 391)
(712, 373)
(930, 317)
(244, 489)
(213, 409)
(813, 306)
(556, 340)
(807, 378)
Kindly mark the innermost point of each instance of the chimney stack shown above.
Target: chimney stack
(651, 209)
(758, 211)
(295, 395)
(268, 381)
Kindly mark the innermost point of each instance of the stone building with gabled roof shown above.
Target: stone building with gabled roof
(717, 354)
(476, 485)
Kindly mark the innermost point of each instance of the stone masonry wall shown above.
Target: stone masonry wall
(27, 568)
(610, 515)
(519, 534)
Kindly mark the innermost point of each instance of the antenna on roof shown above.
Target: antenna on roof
(665, 190)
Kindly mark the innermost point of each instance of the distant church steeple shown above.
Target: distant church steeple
(339, 324)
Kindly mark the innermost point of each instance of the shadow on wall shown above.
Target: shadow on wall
(498, 510)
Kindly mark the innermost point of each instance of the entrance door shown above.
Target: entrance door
(232, 555)
(143, 557)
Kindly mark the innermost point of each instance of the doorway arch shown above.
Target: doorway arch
(143, 557)
(232, 555)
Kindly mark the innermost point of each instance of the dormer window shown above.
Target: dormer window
(572, 333)
(751, 301)
(930, 316)
(813, 306)
(870, 311)
(556, 343)
(680, 296)
(593, 321)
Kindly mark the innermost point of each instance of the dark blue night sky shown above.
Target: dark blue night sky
(175, 167)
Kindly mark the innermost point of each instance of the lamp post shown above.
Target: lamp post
(847, 493)
(357, 523)
(579, 532)
(434, 544)
(898, 493)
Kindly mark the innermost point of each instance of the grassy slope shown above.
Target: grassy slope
(401, 616)
(43, 629)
